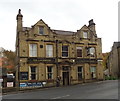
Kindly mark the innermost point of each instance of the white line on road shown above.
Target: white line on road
(60, 97)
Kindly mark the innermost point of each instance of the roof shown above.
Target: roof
(26, 28)
(116, 44)
(61, 32)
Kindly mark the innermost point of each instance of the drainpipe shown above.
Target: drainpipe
(18, 62)
(57, 56)
(118, 49)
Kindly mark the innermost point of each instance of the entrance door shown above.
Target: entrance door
(65, 78)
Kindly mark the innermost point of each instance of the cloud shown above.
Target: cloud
(60, 14)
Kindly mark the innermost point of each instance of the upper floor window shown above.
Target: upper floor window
(49, 50)
(91, 51)
(79, 51)
(41, 30)
(64, 51)
(85, 35)
(49, 72)
(33, 50)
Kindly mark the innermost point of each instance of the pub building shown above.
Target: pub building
(43, 54)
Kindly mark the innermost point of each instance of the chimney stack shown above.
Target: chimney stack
(19, 21)
(92, 26)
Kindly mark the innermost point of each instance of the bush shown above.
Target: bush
(111, 78)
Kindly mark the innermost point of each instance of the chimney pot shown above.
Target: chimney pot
(91, 22)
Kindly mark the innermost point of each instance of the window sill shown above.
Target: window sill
(64, 57)
(41, 35)
(50, 80)
(84, 38)
(32, 81)
(33, 56)
(79, 57)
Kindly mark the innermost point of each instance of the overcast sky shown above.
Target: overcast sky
(68, 15)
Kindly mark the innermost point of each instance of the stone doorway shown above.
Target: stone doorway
(65, 78)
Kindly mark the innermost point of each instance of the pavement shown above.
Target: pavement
(97, 90)
(41, 88)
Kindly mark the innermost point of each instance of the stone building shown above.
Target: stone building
(43, 54)
(113, 61)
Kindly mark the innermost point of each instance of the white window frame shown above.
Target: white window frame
(49, 72)
(80, 72)
(32, 51)
(65, 51)
(49, 51)
(93, 70)
(31, 73)
(85, 34)
(42, 30)
(79, 47)
(92, 51)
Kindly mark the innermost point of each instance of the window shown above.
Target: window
(85, 35)
(64, 51)
(33, 73)
(93, 71)
(23, 75)
(91, 51)
(79, 51)
(80, 72)
(65, 68)
(49, 72)
(41, 30)
(49, 50)
(33, 50)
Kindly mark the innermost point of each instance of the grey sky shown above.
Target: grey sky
(60, 14)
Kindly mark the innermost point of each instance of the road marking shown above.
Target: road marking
(60, 97)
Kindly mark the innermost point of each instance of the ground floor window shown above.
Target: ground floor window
(93, 71)
(23, 75)
(49, 72)
(80, 72)
(33, 73)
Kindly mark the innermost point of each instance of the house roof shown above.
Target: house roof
(26, 28)
(62, 32)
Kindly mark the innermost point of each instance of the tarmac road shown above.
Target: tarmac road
(97, 90)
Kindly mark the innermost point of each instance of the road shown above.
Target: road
(96, 90)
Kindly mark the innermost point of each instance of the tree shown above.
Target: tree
(9, 61)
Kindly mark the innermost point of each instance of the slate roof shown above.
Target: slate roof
(26, 28)
(61, 32)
